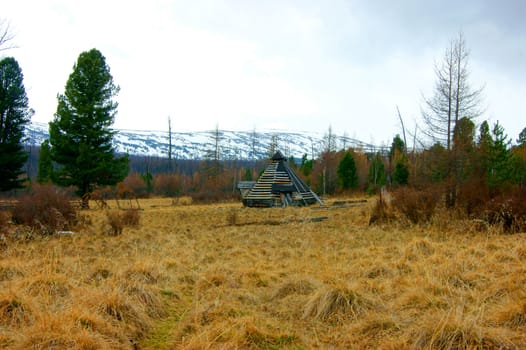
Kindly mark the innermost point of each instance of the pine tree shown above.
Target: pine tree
(347, 173)
(14, 115)
(45, 165)
(80, 134)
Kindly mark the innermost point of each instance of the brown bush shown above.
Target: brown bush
(46, 208)
(508, 210)
(472, 197)
(5, 219)
(167, 184)
(418, 206)
(135, 183)
(117, 220)
(381, 213)
(131, 217)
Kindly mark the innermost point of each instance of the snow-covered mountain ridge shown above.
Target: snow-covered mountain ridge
(198, 145)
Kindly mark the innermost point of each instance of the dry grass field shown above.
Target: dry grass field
(226, 277)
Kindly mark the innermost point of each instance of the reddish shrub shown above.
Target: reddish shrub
(508, 210)
(166, 185)
(136, 185)
(472, 197)
(46, 208)
(418, 206)
(381, 213)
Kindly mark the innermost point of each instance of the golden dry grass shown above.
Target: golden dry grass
(226, 277)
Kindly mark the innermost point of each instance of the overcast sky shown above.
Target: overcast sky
(290, 65)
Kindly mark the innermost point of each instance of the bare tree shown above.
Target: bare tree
(345, 139)
(253, 144)
(214, 153)
(329, 141)
(170, 143)
(6, 36)
(403, 129)
(453, 97)
(217, 137)
(273, 146)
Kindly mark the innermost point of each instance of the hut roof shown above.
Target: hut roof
(279, 186)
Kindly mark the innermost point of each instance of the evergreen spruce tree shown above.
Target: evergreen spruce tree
(501, 167)
(376, 176)
(401, 172)
(521, 141)
(347, 173)
(45, 165)
(14, 115)
(81, 134)
(247, 175)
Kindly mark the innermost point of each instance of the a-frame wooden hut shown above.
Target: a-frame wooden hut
(279, 186)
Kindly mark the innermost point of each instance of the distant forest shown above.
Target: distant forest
(149, 164)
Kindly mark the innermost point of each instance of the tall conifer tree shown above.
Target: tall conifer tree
(347, 172)
(45, 165)
(14, 115)
(81, 134)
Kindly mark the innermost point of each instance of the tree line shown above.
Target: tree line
(465, 159)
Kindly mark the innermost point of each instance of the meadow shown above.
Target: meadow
(221, 276)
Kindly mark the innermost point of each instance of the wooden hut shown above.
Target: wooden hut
(278, 186)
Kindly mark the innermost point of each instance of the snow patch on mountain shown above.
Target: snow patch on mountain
(200, 144)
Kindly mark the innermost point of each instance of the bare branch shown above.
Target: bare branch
(453, 97)
(403, 128)
(6, 36)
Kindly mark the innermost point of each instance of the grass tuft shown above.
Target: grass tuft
(14, 311)
(302, 287)
(454, 333)
(335, 304)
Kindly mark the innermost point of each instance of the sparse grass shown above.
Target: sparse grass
(186, 278)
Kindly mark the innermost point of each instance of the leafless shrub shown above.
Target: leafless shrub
(131, 217)
(115, 221)
(46, 209)
(508, 211)
(472, 197)
(118, 219)
(418, 206)
(381, 213)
